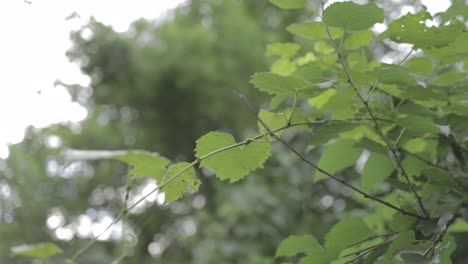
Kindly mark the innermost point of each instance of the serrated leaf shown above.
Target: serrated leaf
(377, 168)
(277, 84)
(358, 39)
(145, 164)
(40, 250)
(337, 156)
(283, 49)
(288, 4)
(293, 245)
(272, 120)
(313, 30)
(235, 163)
(183, 183)
(411, 28)
(351, 16)
(420, 65)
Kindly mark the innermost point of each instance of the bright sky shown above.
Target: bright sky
(35, 38)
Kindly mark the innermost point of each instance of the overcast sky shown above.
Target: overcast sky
(34, 40)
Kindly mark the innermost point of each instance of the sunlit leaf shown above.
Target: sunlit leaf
(40, 251)
(283, 49)
(183, 183)
(145, 164)
(235, 163)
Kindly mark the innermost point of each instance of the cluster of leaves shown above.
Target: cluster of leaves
(401, 125)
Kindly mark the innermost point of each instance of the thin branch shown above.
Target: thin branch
(372, 238)
(406, 57)
(362, 252)
(247, 141)
(373, 117)
(369, 250)
(303, 158)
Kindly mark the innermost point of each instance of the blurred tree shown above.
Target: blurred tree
(159, 87)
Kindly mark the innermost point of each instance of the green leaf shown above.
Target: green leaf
(351, 16)
(235, 163)
(393, 74)
(272, 120)
(276, 84)
(358, 39)
(320, 100)
(345, 233)
(453, 52)
(183, 183)
(446, 248)
(420, 65)
(449, 78)
(40, 250)
(293, 245)
(145, 164)
(313, 30)
(377, 168)
(338, 156)
(288, 4)
(404, 239)
(310, 73)
(418, 124)
(326, 132)
(411, 29)
(456, 9)
(283, 49)
(413, 166)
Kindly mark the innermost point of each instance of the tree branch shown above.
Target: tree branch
(399, 165)
(303, 158)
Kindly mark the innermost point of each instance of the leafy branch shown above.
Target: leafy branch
(377, 127)
(303, 158)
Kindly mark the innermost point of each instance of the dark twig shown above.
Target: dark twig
(303, 158)
(368, 250)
